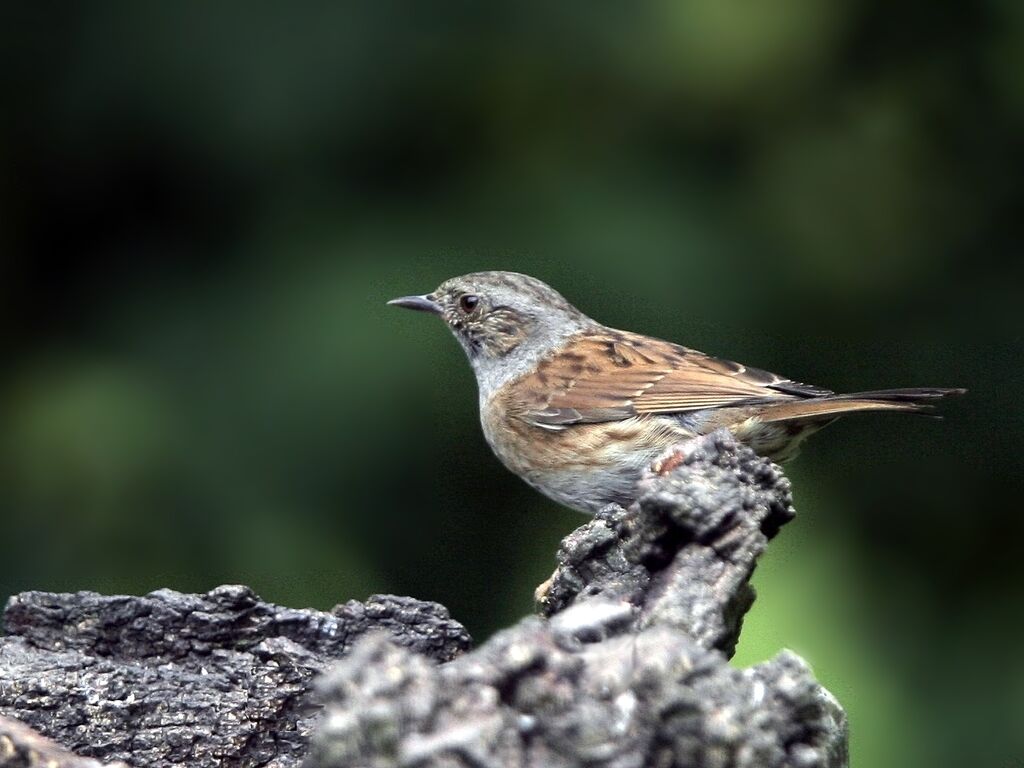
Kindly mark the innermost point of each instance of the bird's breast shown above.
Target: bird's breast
(584, 466)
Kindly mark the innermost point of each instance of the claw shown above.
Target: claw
(665, 465)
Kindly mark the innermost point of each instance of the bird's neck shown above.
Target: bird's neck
(494, 372)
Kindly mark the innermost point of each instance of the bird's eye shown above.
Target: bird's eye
(468, 303)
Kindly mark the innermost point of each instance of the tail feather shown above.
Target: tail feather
(910, 400)
(908, 394)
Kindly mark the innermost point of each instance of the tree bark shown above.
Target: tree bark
(170, 679)
(625, 665)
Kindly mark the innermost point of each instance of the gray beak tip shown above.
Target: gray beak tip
(418, 303)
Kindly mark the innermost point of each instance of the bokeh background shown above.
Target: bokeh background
(203, 208)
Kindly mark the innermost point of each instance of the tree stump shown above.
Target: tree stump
(625, 665)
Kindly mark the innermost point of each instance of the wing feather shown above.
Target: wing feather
(606, 375)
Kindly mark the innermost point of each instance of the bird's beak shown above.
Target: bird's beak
(419, 303)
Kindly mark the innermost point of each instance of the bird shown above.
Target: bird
(580, 410)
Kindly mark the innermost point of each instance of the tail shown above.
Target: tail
(912, 400)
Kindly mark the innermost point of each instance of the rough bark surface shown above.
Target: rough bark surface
(166, 679)
(683, 554)
(626, 665)
(21, 747)
(629, 667)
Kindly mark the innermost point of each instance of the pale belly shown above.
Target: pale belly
(590, 490)
(586, 466)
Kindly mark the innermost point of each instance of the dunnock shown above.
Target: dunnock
(578, 410)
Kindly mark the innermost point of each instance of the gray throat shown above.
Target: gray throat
(494, 372)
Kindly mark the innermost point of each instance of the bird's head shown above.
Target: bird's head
(504, 320)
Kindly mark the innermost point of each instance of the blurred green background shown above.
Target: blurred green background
(203, 208)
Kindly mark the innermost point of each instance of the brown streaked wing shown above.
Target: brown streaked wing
(611, 375)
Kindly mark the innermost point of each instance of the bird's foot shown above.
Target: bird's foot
(665, 464)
